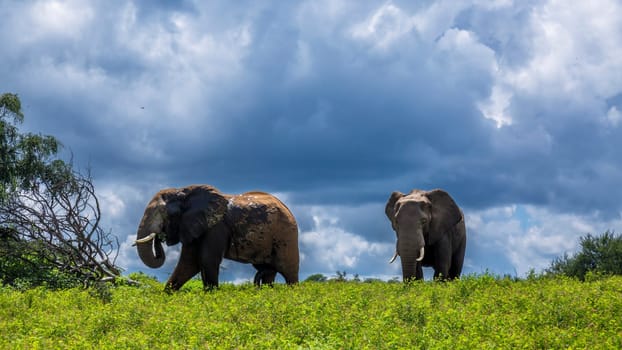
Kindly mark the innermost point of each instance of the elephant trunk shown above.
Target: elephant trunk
(409, 268)
(411, 251)
(149, 247)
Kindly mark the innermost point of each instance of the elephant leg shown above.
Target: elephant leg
(210, 268)
(442, 261)
(186, 268)
(257, 279)
(456, 264)
(290, 275)
(265, 274)
(418, 271)
(287, 260)
(455, 270)
(459, 248)
(209, 277)
(212, 251)
(268, 277)
(264, 277)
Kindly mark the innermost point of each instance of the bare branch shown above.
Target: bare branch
(63, 215)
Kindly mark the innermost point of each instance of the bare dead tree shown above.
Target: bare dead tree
(58, 221)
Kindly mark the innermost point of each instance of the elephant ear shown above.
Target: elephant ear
(389, 208)
(203, 208)
(445, 213)
(173, 203)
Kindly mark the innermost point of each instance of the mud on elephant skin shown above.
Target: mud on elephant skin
(253, 227)
(430, 231)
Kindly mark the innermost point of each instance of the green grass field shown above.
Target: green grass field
(477, 312)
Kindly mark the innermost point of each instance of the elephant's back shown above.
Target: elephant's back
(254, 196)
(261, 198)
(265, 202)
(256, 193)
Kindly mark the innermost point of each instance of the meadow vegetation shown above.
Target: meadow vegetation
(483, 312)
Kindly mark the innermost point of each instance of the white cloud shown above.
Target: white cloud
(58, 19)
(614, 116)
(153, 75)
(111, 203)
(329, 248)
(571, 56)
(496, 107)
(532, 236)
(115, 198)
(185, 44)
(437, 18)
(575, 50)
(385, 27)
(193, 63)
(464, 57)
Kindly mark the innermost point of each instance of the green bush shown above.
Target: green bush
(599, 255)
(317, 277)
(22, 268)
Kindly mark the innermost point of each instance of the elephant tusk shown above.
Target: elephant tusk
(146, 239)
(393, 258)
(421, 253)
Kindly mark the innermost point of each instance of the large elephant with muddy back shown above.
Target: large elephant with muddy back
(254, 227)
(430, 231)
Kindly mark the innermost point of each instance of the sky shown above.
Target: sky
(513, 107)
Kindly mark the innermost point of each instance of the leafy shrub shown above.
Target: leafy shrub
(24, 270)
(599, 255)
(144, 280)
(317, 277)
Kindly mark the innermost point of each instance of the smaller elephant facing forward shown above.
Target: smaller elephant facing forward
(253, 227)
(430, 232)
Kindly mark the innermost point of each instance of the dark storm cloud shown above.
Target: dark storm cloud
(355, 114)
(350, 120)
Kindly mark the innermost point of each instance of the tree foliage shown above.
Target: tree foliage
(49, 213)
(316, 277)
(24, 158)
(599, 254)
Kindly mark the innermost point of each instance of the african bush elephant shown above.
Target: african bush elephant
(254, 227)
(430, 232)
